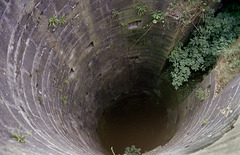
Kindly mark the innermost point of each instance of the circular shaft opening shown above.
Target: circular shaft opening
(141, 118)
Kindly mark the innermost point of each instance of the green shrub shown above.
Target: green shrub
(205, 46)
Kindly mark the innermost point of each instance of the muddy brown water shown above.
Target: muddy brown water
(138, 119)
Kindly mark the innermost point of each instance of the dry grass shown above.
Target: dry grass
(228, 67)
(187, 11)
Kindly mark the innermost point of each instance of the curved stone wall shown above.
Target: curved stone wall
(220, 111)
(55, 83)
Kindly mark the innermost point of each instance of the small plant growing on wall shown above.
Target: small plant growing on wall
(123, 24)
(129, 151)
(39, 100)
(60, 89)
(157, 16)
(63, 99)
(62, 19)
(202, 94)
(141, 9)
(19, 137)
(38, 72)
(66, 81)
(115, 14)
(204, 122)
(54, 21)
(132, 150)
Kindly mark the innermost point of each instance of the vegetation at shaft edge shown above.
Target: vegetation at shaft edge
(204, 48)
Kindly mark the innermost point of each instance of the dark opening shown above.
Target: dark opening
(134, 58)
(141, 118)
(72, 70)
(134, 25)
(90, 47)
